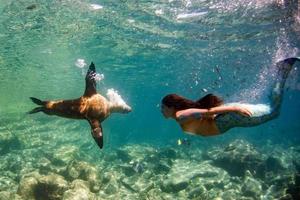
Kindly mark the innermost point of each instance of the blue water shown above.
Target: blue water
(145, 49)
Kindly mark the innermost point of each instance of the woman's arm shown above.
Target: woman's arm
(196, 113)
(224, 109)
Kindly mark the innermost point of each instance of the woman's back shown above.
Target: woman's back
(202, 126)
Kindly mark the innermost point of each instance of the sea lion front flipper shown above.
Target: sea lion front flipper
(90, 83)
(96, 131)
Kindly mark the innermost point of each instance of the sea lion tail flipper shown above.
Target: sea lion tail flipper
(35, 110)
(38, 101)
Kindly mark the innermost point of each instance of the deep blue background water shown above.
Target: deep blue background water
(147, 49)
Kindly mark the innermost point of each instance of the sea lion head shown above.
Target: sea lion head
(123, 108)
(117, 104)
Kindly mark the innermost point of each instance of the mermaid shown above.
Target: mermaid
(210, 116)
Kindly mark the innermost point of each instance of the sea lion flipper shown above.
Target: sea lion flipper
(90, 83)
(35, 110)
(96, 131)
(98, 137)
(38, 102)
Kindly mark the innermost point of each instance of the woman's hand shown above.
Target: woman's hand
(244, 112)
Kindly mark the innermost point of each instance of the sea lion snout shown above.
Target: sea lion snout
(128, 109)
(121, 108)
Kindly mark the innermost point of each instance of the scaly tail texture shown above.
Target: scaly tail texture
(38, 102)
(291, 60)
(284, 67)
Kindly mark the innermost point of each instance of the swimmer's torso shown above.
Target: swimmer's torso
(93, 107)
(204, 127)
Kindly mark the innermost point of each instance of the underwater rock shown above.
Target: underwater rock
(171, 186)
(280, 160)
(105, 177)
(85, 171)
(111, 188)
(297, 165)
(64, 155)
(4, 195)
(231, 194)
(12, 162)
(127, 185)
(123, 155)
(251, 188)
(9, 142)
(43, 162)
(167, 153)
(140, 158)
(150, 175)
(127, 169)
(51, 186)
(79, 190)
(238, 157)
(74, 169)
(185, 172)
(197, 192)
(133, 167)
(45, 166)
(161, 161)
(139, 183)
(7, 182)
(27, 185)
(296, 158)
(36, 186)
(161, 168)
(270, 193)
(294, 189)
(138, 152)
(287, 197)
(109, 181)
(274, 164)
(281, 180)
(164, 156)
(148, 188)
(110, 157)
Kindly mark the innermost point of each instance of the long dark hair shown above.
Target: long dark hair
(180, 103)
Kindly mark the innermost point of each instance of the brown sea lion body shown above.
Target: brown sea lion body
(92, 107)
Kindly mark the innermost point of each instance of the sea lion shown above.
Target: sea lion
(91, 106)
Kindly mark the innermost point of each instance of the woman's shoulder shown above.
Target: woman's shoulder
(187, 115)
